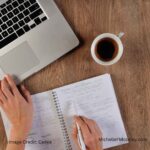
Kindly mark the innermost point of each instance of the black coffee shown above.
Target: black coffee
(107, 49)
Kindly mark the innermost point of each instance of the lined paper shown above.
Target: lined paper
(94, 98)
(46, 132)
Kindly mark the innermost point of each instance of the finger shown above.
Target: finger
(100, 143)
(91, 125)
(83, 126)
(2, 97)
(1, 103)
(12, 84)
(98, 130)
(74, 135)
(74, 131)
(26, 94)
(2, 106)
(5, 89)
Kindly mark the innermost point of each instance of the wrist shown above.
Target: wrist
(18, 134)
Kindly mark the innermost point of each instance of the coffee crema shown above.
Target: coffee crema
(106, 49)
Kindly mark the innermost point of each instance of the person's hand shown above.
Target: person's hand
(90, 132)
(17, 106)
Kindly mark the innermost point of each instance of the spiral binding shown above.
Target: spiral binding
(62, 121)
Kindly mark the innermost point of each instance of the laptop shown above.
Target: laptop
(33, 33)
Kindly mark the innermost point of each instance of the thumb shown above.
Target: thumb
(75, 135)
(26, 94)
(74, 131)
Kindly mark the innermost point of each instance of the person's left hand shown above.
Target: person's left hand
(17, 106)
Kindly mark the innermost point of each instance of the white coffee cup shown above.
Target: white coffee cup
(116, 39)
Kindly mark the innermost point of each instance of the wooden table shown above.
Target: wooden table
(90, 18)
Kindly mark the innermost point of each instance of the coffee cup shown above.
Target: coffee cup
(107, 48)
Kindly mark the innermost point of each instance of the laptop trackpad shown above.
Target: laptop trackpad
(19, 60)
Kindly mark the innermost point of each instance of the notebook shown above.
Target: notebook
(54, 110)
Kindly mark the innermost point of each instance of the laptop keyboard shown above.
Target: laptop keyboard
(18, 17)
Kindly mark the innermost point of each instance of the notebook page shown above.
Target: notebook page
(94, 98)
(45, 133)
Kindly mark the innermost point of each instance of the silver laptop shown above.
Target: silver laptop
(33, 33)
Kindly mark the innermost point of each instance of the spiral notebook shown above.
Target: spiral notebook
(94, 98)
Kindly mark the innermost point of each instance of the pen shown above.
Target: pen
(80, 138)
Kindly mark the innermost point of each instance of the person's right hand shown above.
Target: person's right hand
(90, 132)
(17, 107)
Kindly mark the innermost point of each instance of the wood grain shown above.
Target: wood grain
(88, 19)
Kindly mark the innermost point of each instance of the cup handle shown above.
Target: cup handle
(121, 34)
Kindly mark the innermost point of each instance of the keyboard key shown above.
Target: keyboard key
(1, 37)
(0, 30)
(34, 7)
(4, 18)
(15, 19)
(15, 4)
(20, 1)
(3, 5)
(26, 12)
(1, 22)
(26, 28)
(4, 11)
(37, 21)
(0, 15)
(21, 7)
(21, 23)
(26, 4)
(16, 26)
(9, 7)
(27, 19)
(9, 23)
(10, 30)
(32, 1)
(4, 26)
(8, 2)
(5, 34)
(44, 18)
(10, 15)
(20, 32)
(8, 40)
(32, 26)
(20, 16)
(16, 11)
(36, 14)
